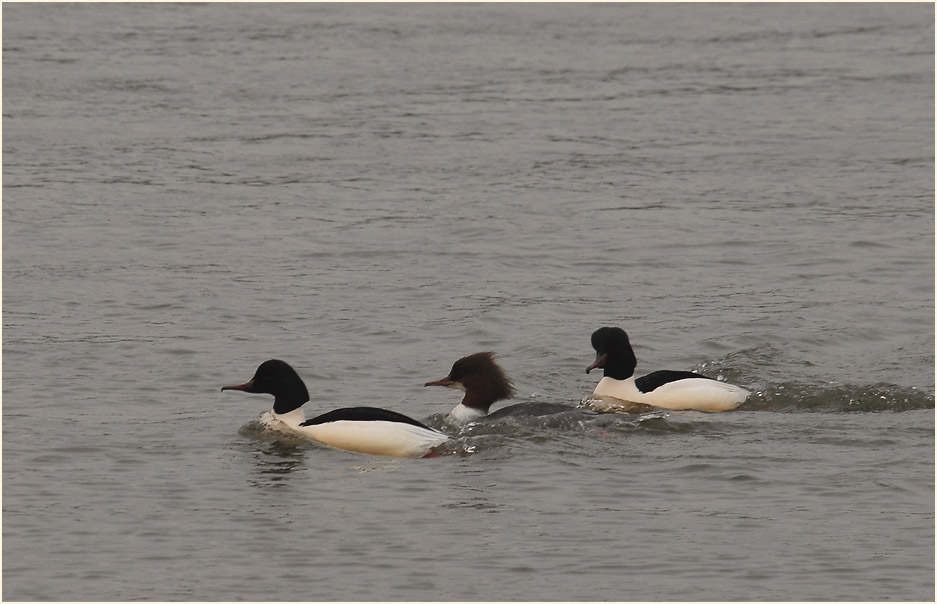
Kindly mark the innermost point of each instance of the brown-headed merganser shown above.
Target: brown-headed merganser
(482, 380)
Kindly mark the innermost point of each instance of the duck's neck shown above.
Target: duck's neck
(291, 418)
(481, 394)
(289, 401)
(620, 366)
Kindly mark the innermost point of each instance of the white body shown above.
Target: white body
(394, 439)
(699, 394)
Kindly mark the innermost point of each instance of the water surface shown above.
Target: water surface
(371, 192)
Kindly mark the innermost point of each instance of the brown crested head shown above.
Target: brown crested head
(482, 379)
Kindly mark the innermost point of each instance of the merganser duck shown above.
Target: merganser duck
(482, 380)
(676, 390)
(361, 429)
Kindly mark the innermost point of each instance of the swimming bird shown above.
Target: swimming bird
(676, 390)
(482, 380)
(363, 429)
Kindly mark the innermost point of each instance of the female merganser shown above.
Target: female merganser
(362, 429)
(483, 382)
(668, 389)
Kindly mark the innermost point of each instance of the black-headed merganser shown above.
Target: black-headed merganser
(361, 429)
(678, 390)
(482, 380)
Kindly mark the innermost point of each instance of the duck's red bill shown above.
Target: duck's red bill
(239, 387)
(600, 360)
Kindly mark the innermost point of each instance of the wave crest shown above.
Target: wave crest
(833, 397)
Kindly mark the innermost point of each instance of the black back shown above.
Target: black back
(363, 414)
(655, 380)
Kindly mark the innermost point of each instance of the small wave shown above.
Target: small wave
(839, 398)
(535, 423)
(267, 432)
(563, 425)
(749, 367)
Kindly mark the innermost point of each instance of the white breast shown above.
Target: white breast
(283, 421)
(462, 414)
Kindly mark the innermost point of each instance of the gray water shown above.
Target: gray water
(372, 191)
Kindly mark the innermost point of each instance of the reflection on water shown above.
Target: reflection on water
(276, 460)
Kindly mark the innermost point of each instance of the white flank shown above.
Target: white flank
(394, 439)
(699, 394)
